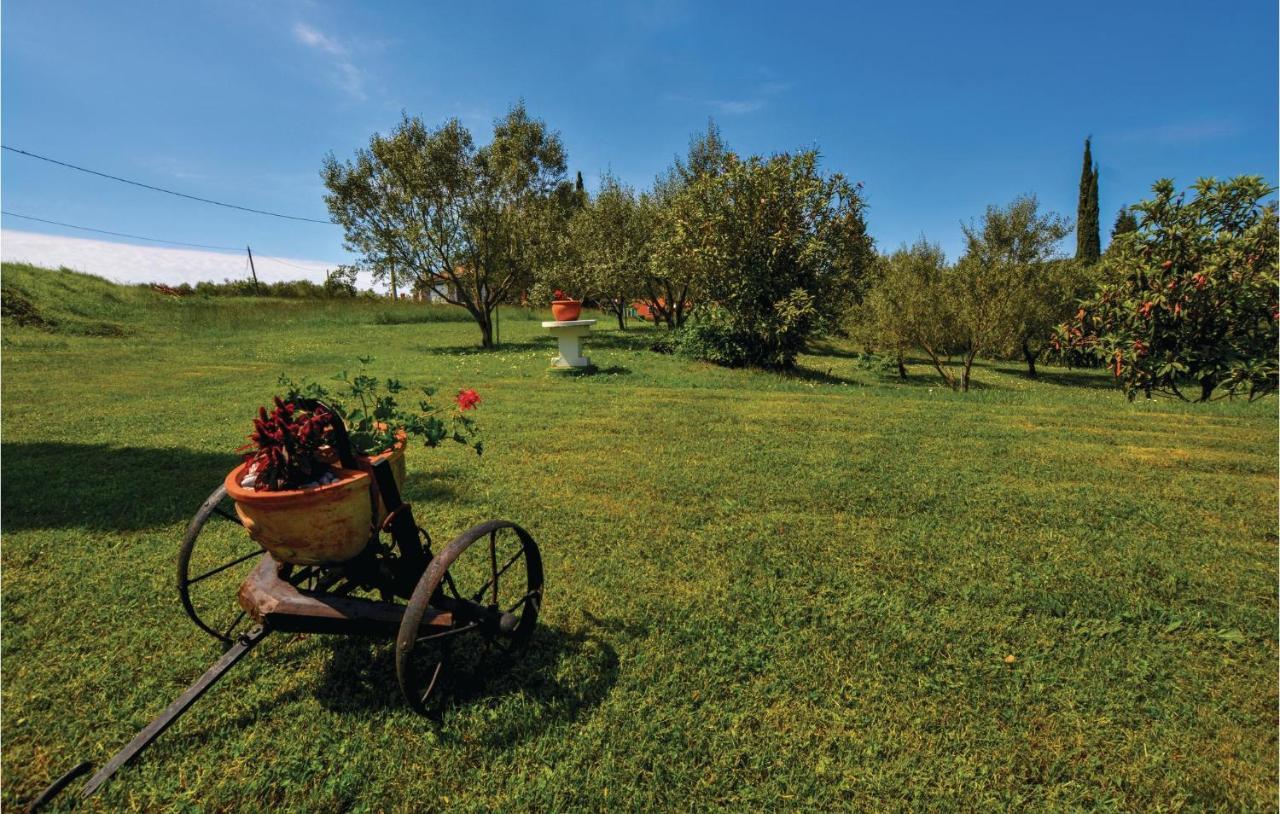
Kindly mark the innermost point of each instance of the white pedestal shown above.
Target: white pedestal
(569, 335)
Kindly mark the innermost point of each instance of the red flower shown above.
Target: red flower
(467, 399)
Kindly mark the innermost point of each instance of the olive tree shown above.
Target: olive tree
(676, 272)
(471, 223)
(1013, 286)
(908, 307)
(606, 250)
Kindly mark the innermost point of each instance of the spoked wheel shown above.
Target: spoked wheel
(485, 586)
(216, 556)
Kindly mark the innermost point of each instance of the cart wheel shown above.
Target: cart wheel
(209, 576)
(503, 573)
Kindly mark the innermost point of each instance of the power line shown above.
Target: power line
(285, 263)
(120, 234)
(162, 189)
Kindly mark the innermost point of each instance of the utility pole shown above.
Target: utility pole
(253, 271)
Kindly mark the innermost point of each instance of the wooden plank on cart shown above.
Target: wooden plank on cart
(275, 603)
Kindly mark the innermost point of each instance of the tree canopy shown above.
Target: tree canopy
(470, 223)
(1189, 299)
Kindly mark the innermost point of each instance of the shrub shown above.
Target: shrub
(1189, 299)
(782, 251)
(911, 305)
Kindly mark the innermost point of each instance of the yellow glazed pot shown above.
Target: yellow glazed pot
(323, 524)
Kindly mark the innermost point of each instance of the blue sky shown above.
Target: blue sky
(938, 108)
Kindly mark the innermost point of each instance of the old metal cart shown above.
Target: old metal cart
(483, 588)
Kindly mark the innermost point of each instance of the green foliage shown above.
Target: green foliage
(606, 250)
(1126, 222)
(779, 249)
(1088, 234)
(473, 223)
(1190, 297)
(374, 419)
(675, 273)
(911, 305)
(1003, 297)
(339, 284)
(1012, 286)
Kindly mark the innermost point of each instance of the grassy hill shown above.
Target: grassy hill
(70, 302)
(36, 303)
(820, 591)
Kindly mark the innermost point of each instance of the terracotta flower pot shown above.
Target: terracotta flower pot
(322, 524)
(566, 310)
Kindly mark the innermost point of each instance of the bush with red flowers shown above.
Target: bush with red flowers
(1188, 301)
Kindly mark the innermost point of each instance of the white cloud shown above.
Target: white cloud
(127, 263)
(345, 74)
(736, 107)
(1185, 133)
(307, 35)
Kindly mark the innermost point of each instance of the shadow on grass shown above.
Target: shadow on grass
(102, 487)
(419, 487)
(1090, 379)
(929, 378)
(106, 488)
(808, 374)
(588, 372)
(603, 340)
(560, 675)
(821, 349)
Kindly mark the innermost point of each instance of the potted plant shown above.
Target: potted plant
(565, 308)
(292, 493)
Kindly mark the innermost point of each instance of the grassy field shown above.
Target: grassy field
(811, 592)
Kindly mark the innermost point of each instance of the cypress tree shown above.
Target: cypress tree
(1125, 223)
(578, 186)
(1094, 234)
(1088, 237)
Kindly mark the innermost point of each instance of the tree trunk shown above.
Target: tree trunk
(1207, 385)
(485, 320)
(622, 321)
(968, 368)
(902, 365)
(1031, 359)
(943, 373)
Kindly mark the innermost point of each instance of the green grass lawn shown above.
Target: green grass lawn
(811, 592)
